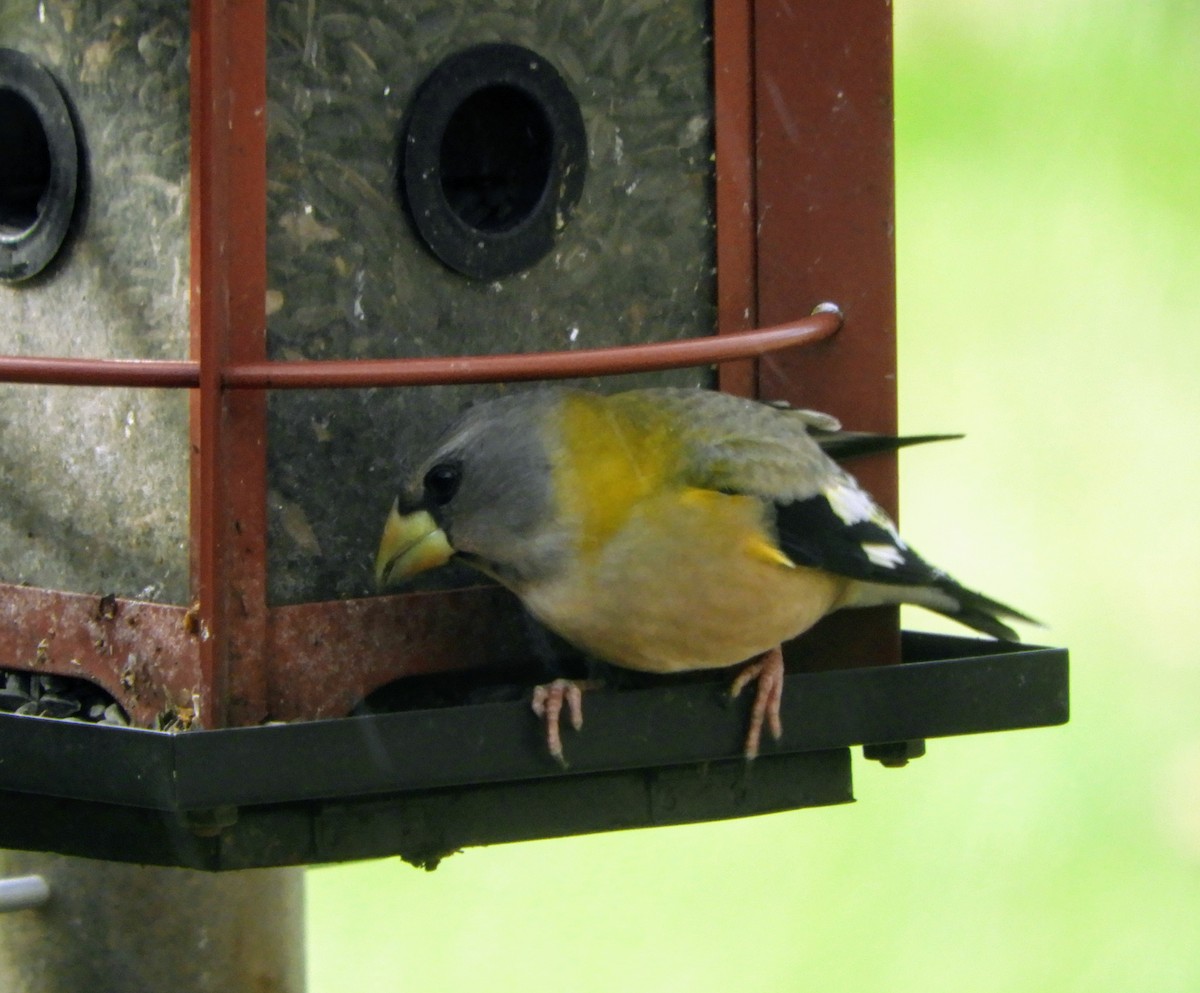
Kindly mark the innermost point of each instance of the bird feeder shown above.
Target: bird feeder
(251, 253)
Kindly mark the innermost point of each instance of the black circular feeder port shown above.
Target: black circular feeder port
(493, 160)
(39, 167)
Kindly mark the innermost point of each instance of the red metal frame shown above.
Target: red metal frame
(826, 226)
(732, 349)
(228, 319)
(804, 213)
(736, 206)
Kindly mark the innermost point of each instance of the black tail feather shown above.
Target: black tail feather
(850, 444)
(980, 612)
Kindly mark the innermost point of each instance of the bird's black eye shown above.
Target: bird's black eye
(441, 482)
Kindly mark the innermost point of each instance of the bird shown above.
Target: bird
(665, 530)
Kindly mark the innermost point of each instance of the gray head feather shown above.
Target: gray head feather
(499, 517)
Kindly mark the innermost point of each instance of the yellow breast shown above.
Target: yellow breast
(682, 579)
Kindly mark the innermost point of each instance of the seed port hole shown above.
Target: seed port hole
(496, 158)
(40, 167)
(493, 159)
(25, 164)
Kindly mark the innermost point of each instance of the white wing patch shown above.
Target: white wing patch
(886, 556)
(853, 505)
(850, 503)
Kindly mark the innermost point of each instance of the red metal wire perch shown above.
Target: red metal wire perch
(99, 372)
(426, 371)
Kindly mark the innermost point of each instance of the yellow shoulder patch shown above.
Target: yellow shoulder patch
(760, 548)
(756, 544)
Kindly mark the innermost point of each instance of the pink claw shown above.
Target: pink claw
(768, 670)
(548, 702)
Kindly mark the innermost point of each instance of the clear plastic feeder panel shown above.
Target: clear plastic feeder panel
(627, 255)
(95, 482)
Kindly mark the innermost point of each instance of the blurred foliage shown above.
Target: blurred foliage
(1049, 240)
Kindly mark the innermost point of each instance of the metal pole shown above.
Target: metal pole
(108, 927)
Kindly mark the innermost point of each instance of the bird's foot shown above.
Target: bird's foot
(548, 700)
(768, 670)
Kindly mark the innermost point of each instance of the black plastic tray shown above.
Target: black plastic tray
(424, 783)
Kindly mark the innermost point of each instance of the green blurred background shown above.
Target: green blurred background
(1048, 168)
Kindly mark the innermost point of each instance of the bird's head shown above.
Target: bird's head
(483, 496)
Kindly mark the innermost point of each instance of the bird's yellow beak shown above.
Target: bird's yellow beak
(411, 543)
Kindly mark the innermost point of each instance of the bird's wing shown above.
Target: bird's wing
(735, 445)
(822, 517)
(842, 530)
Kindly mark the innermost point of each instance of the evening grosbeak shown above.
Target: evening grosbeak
(665, 530)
